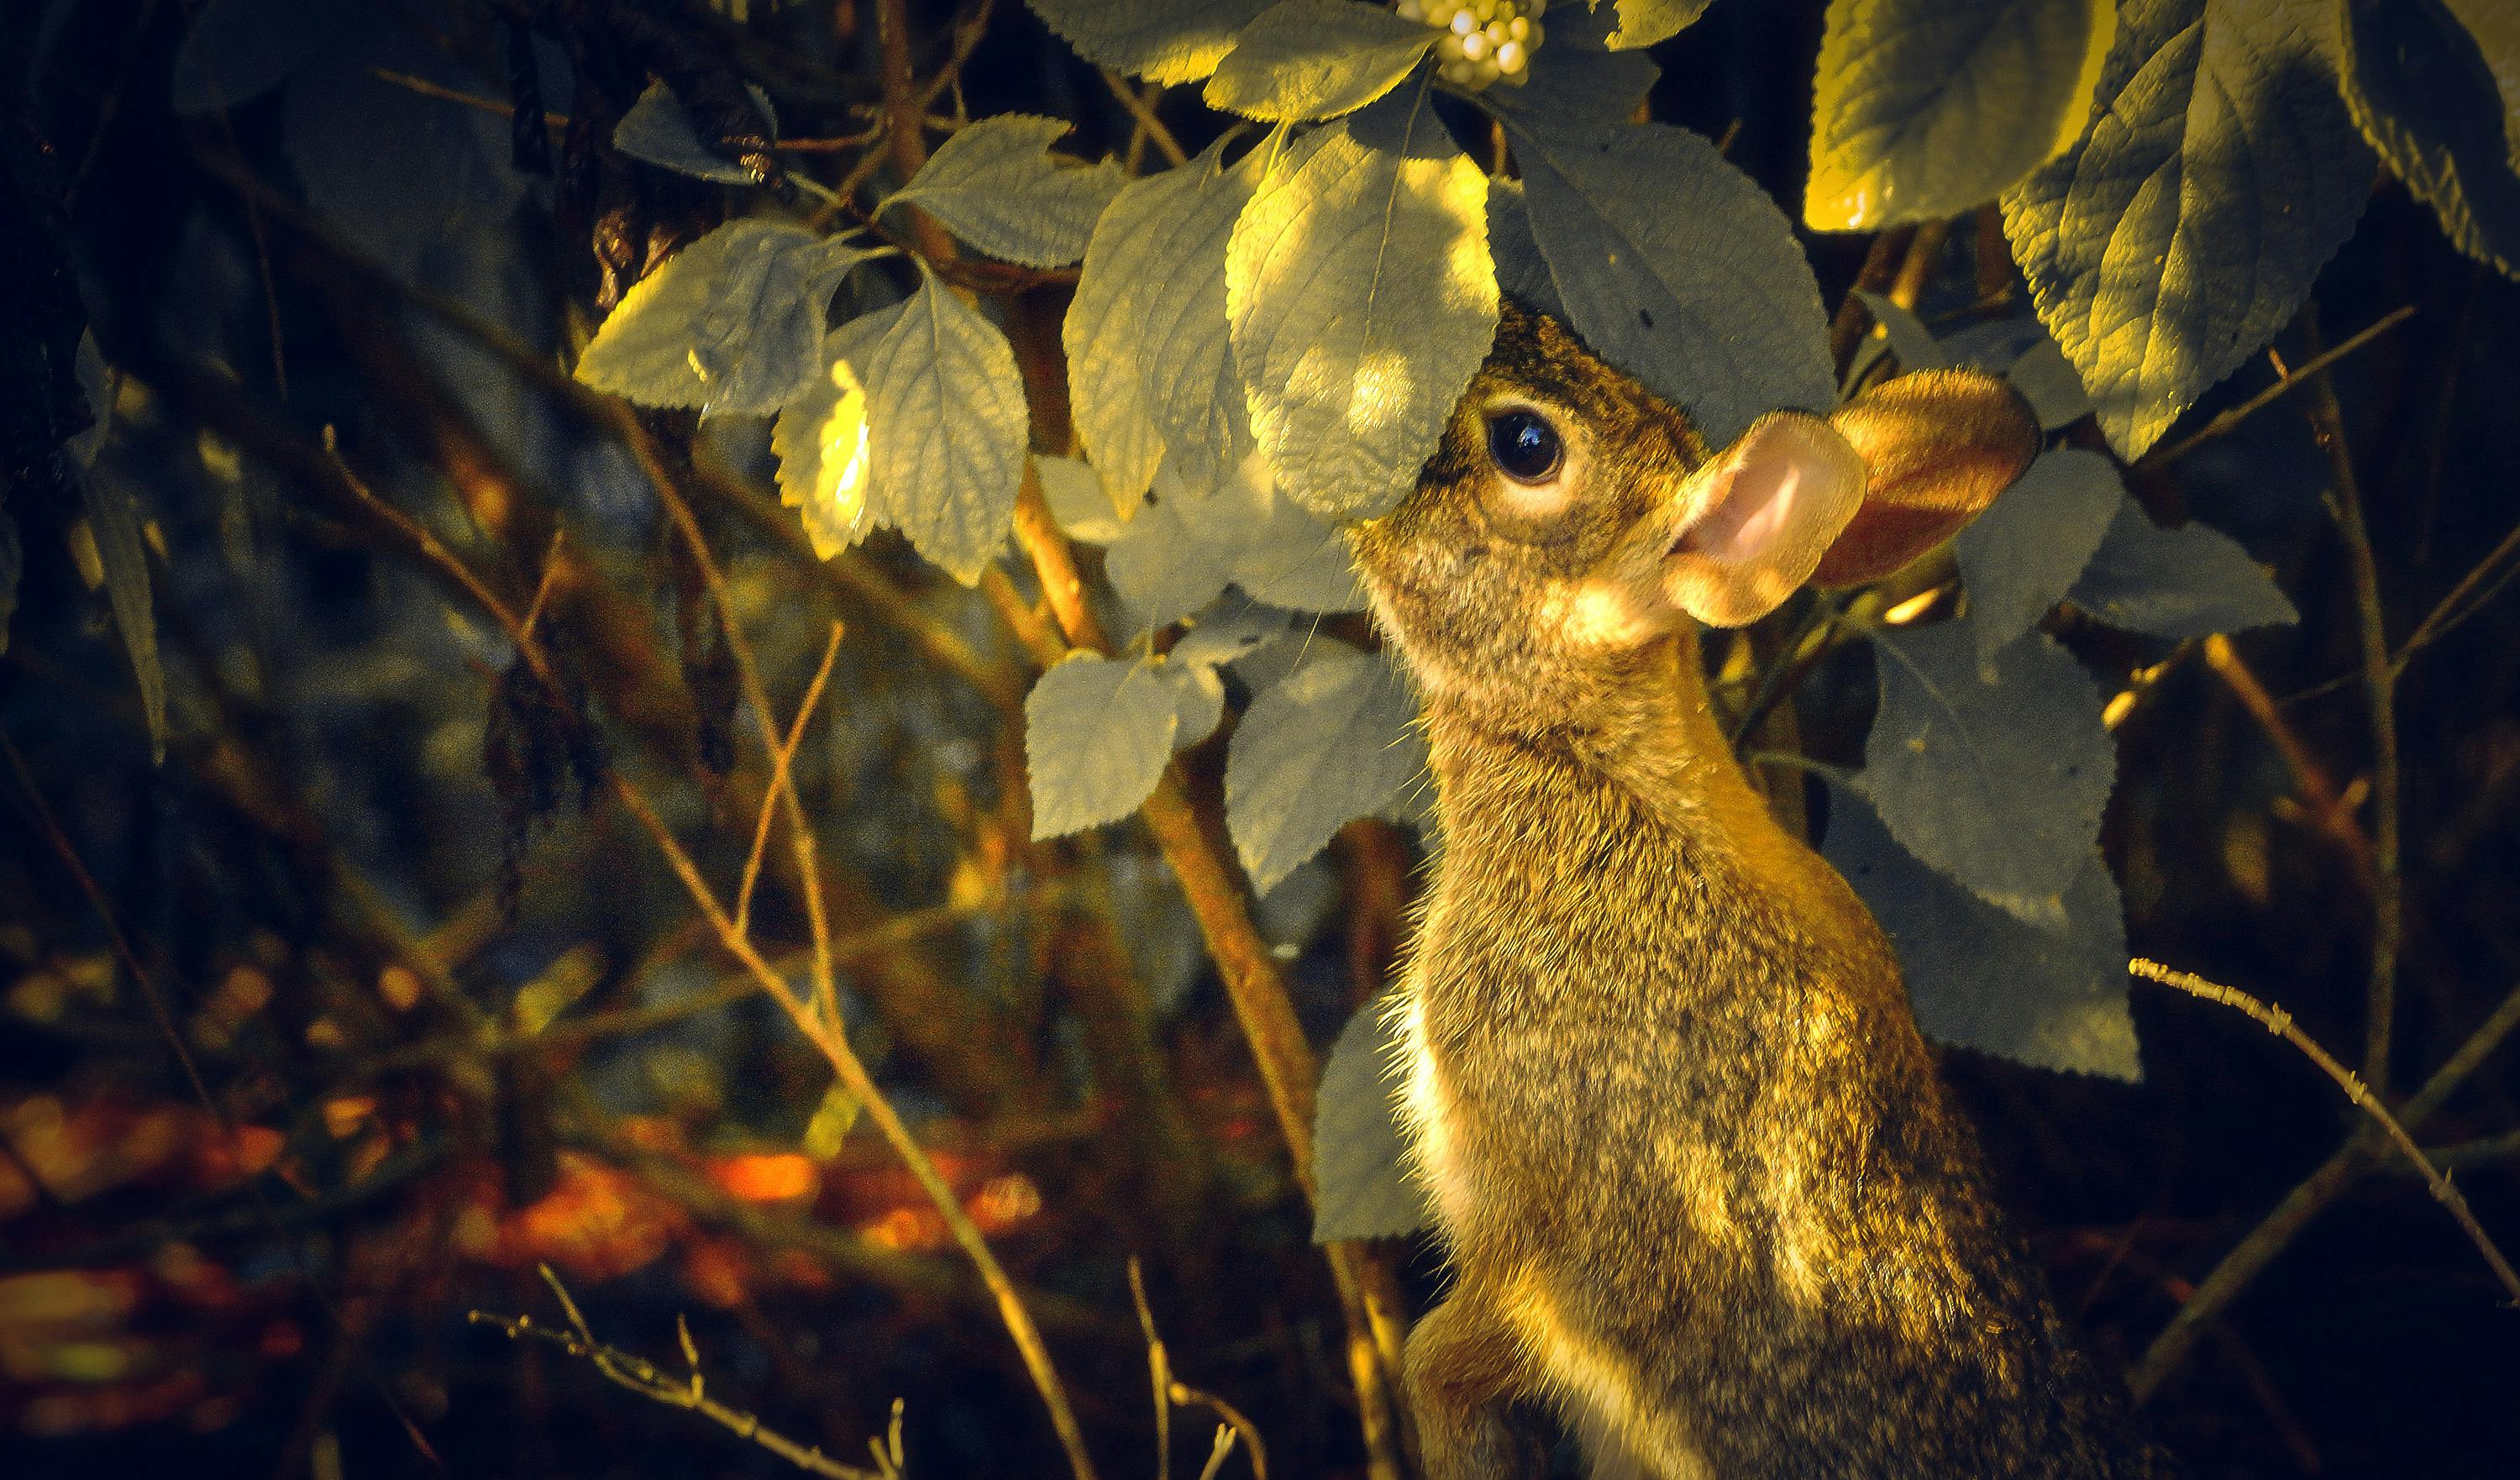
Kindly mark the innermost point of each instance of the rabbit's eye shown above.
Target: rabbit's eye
(1525, 446)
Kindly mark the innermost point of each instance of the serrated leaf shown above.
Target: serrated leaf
(1234, 628)
(1924, 109)
(1167, 41)
(1098, 733)
(825, 443)
(1521, 274)
(2425, 95)
(995, 184)
(1332, 742)
(2022, 555)
(658, 131)
(1184, 545)
(1361, 300)
(2219, 173)
(1677, 268)
(2496, 28)
(1150, 352)
(1161, 570)
(2047, 381)
(1083, 507)
(732, 323)
(1316, 58)
(1997, 784)
(1198, 700)
(1909, 339)
(237, 50)
(1362, 1188)
(1982, 979)
(1643, 22)
(113, 518)
(2180, 583)
(946, 406)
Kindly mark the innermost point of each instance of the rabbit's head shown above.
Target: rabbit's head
(1571, 522)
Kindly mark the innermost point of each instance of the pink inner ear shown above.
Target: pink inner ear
(1754, 508)
(1769, 507)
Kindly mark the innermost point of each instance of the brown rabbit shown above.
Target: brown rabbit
(1702, 1190)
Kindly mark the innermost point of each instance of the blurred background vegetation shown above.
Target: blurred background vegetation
(374, 993)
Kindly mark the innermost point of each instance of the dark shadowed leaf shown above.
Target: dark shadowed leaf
(1361, 300)
(2049, 381)
(1521, 273)
(2228, 173)
(1097, 733)
(1677, 268)
(1332, 742)
(1997, 784)
(1909, 339)
(1573, 79)
(945, 408)
(1927, 108)
(1363, 1189)
(2426, 95)
(658, 131)
(1160, 40)
(2184, 582)
(1979, 977)
(235, 50)
(2020, 556)
(1150, 350)
(114, 517)
(996, 184)
(732, 323)
(1316, 58)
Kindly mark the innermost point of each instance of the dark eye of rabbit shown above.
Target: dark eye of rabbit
(1524, 446)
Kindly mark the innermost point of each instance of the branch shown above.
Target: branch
(2279, 1022)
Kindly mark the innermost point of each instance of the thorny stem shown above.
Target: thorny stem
(2312, 1193)
(2379, 679)
(2279, 1022)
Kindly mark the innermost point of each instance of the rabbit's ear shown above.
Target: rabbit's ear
(1937, 447)
(1763, 513)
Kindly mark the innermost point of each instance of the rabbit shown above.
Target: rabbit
(1700, 1191)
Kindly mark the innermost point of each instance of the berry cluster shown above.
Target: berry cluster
(1484, 41)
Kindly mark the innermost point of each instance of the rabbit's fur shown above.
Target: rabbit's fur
(1702, 1190)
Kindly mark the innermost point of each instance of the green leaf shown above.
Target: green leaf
(1084, 509)
(1363, 299)
(1909, 339)
(237, 50)
(2180, 583)
(1574, 79)
(1332, 742)
(1521, 273)
(1678, 269)
(1316, 58)
(1097, 733)
(946, 410)
(114, 517)
(996, 184)
(2426, 97)
(1183, 547)
(1983, 979)
(2219, 174)
(1161, 570)
(824, 441)
(2020, 556)
(1362, 1184)
(2049, 381)
(657, 131)
(1643, 22)
(833, 1120)
(1924, 109)
(1166, 41)
(1198, 698)
(1235, 628)
(1997, 784)
(1151, 353)
(732, 323)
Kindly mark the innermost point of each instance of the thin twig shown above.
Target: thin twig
(2279, 1022)
(2318, 795)
(2285, 384)
(636, 1373)
(2309, 1196)
(2447, 613)
(782, 759)
(1143, 111)
(1184, 1396)
(1160, 1371)
(2388, 900)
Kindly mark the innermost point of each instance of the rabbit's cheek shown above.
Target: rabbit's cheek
(1603, 613)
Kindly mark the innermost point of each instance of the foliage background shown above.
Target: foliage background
(433, 1073)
